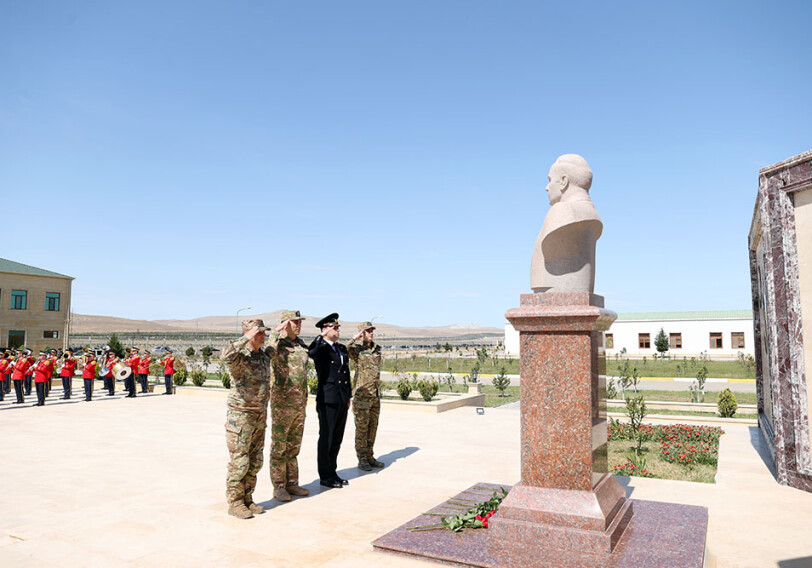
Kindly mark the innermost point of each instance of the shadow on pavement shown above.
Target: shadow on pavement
(805, 562)
(624, 482)
(388, 460)
(758, 443)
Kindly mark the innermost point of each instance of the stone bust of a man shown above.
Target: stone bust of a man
(564, 255)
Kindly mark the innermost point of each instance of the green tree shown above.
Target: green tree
(190, 352)
(116, 346)
(636, 412)
(501, 381)
(661, 342)
(448, 347)
(482, 355)
(206, 353)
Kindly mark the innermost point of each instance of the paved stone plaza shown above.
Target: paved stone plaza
(123, 482)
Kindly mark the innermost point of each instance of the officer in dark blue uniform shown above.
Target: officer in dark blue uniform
(333, 394)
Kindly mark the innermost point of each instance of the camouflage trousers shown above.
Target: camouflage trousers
(367, 411)
(245, 438)
(288, 405)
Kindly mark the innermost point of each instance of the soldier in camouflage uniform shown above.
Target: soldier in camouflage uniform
(289, 362)
(250, 366)
(366, 396)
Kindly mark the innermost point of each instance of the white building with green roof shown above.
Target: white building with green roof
(34, 306)
(721, 334)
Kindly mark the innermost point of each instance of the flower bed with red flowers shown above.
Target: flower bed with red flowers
(679, 443)
(687, 445)
(628, 468)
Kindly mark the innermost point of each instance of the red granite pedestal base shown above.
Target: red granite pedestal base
(660, 535)
(569, 528)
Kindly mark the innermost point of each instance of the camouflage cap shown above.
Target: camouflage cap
(250, 324)
(365, 325)
(288, 315)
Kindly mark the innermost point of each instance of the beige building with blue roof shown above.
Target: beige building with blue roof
(34, 306)
(720, 334)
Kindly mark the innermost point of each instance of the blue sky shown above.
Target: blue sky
(183, 159)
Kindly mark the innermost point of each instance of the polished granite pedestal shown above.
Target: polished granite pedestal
(567, 510)
(660, 535)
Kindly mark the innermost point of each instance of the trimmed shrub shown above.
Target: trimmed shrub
(726, 404)
(404, 388)
(180, 376)
(198, 377)
(428, 388)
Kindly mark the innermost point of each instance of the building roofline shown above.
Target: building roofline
(12, 267)
(686, 315)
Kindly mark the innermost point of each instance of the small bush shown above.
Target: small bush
(198, 377)
(428, 388)
(404, 388)
(611, 389)
(180, 377)
(312, 381)
(726, 404)
(224, 376)
(450, 380)
(156, 369)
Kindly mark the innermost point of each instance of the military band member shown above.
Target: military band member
(249, 363)
(132, 363)
(89, 374)
(43, 371)
(106, 372)
(9, 369)
(332, 397)
(22, 364)
(54, 362)
(4, 363)
(289, 363)
(169, 370)
(143, 371)
(67, 372)
(366, 395)
(29, 374)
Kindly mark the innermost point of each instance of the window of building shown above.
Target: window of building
(644, 340)
(16, 339)
(51, 301)
(610, 341)
(737, 340)
(19, 299)
(50, 335)
(715, 340)
(675, 341)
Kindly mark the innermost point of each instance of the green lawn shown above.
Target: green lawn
(668, 368)
(685, 396)
(619, 450)
(442, 365)
(647, 368)
(670, 412)
(491, 393)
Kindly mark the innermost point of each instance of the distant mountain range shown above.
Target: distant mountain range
(104, 324)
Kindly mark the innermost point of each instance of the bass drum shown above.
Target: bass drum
(121, 371)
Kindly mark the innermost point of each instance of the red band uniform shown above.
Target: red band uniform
(66, 374)
(43, 371)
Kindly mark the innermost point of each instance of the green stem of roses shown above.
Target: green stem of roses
(426, 528)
